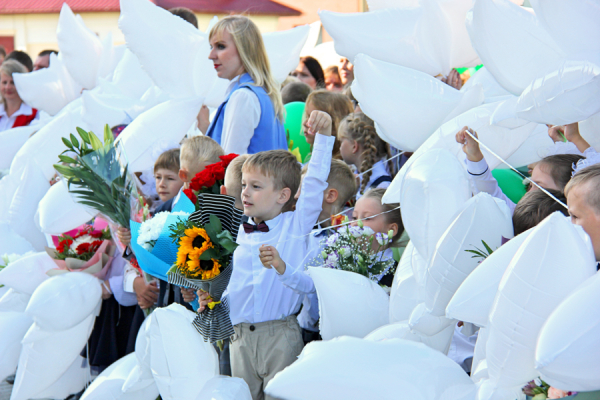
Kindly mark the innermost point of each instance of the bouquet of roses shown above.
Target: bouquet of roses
(99, 177)
(351, 249)
(88, 251)
(209, 180)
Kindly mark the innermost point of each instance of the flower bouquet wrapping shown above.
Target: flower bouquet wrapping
(98, 176)
(154, 250)
(87, 251)
(204, 259)
(351, 249)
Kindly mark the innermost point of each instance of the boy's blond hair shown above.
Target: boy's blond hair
(168, 160)
(279, 165)
(199, 149)
(342, 179)
(233, 176)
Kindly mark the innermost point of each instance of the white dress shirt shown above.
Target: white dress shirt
(259, 294)
(240, 118)
(484, 181)
(7, 122)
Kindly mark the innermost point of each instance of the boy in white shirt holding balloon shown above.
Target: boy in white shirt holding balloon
(264, 301)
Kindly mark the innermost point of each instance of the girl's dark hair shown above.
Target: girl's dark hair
(392, 213)
(313, 66)
(560, 167)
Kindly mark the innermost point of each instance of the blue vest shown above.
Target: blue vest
(268, 135)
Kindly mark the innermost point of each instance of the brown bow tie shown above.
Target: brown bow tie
(249, 228)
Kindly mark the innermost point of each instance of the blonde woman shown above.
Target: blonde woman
(13, 111)
(250, 119)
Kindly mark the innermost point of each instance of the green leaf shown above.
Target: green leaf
(228, 245)
(216, 223)
(63, 170)
(488, 248)
(94, 141)
(67, 143)
(67, 159)
(74, 141)
(108, 136)
(208, 254)
(172, 269)
(84, 135)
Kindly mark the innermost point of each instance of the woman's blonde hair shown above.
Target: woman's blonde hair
(360, 128)
(251, 48)
(9, 67)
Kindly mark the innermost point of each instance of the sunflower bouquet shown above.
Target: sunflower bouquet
(206, 242)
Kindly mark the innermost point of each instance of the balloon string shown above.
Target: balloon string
(469, 132)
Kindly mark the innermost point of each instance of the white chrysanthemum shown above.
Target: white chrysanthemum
(151, 229)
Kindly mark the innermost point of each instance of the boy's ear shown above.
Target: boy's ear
(183, 175)
(331, 195)
(284, 195)
(223, 189)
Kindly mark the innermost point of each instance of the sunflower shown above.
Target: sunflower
(216, 270)
(191, 246)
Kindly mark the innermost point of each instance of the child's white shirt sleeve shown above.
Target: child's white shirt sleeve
(484, 181)
(297, 280)
(129, 276)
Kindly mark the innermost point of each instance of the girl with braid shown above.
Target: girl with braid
(362, 147)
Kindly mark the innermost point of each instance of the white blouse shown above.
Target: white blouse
(240, 119)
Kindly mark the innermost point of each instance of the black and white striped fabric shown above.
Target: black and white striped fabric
(213, 324)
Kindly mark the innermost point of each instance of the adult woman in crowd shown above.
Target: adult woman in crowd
(251, 117)
(13, 111)
(310, 72)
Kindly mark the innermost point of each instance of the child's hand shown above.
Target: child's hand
(147, 294)
(555, 133)
(124, 236)
(319, 122)
(470, 146)
(453, 79)
(203, 119)
(572, 135)
(269, 257)
(188, 295)
(203, 299)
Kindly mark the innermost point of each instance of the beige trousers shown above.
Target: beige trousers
(259, 351)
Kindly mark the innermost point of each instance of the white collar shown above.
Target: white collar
(24, 109)
(233, 82)
(272, 223)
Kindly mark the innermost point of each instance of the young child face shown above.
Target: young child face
(167, 183)
(260, 199)
(365, 209)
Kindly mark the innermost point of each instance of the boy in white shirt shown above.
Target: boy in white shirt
(263, 302)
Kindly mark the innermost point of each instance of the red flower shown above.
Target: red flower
(95, 245)
(204, 178)
(217, 170)
(190, 194)
(227, 159)
(83, 248)
(96, 234)
(63, 245)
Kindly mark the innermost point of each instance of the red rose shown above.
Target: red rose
(227, 159)
(202, 179)
(217, 170)
(190, 195)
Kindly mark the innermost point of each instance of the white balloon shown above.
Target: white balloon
(352, 368)
(100, 109)
(589, 130)
(492, 90)
(59, 213)
(502, 141)
(26, 274)
(564, 96)
(572, 26)
(435, 189)
(167, 121)
(13, 326)
(567, 349)
(225, 388)
(534, 284)
(400, 330)
(42, 349)
(141, 374)
(150, 30)
(472, 301)
(64, 301)
(482, 219)
(11, 242)
(173, 339)
(325, 54)
(110, 57)
(14, 301)
(80, 48)
(479, 365)
(130, 77)
(284, 49)
(108, 385)
(72, 381)
(13, 139)
(48, 89)
(341, 310)
(526, 52)
(534, 148)
(407, 105)
(405, 293)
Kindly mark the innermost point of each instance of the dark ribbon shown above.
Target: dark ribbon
(249, 228)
